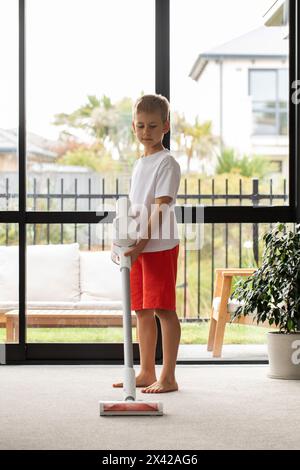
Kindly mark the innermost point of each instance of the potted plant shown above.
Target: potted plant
(272, 294)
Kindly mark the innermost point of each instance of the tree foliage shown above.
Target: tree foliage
(229, 162)
(107, 124)
(195, 139)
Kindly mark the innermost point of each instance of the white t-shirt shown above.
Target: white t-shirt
(155, 176)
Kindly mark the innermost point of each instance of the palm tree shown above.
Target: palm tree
(194, 139)
(107, 123)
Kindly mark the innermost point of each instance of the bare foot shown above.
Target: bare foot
(161, 387)
(141, 381)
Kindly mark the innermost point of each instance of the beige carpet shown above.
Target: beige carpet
(217, 407)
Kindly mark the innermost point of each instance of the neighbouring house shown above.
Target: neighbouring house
(38, 150)
(43, 173)
(244, 91)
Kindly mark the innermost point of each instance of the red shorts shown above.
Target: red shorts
(153, 280)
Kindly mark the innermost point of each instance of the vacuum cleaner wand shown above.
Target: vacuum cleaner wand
(124, 236)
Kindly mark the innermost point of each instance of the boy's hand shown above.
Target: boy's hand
(136, 250)
(113, 255)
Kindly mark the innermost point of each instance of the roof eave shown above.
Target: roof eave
(198, 67)
(203, 59)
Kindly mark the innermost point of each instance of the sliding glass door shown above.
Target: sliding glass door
(72, 73)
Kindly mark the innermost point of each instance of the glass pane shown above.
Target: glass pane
(283, 85)
(264, 106)
(226, 78)
(224, 246)
(74, 294)
(264, 123)
(74, 290)
(98, 62)
(263, 85)
(9, 283)
(283, 101)
(9, 105)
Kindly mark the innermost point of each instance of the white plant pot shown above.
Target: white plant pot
(284, 355)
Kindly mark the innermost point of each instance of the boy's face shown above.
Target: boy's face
(150, 129)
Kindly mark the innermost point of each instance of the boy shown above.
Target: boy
(155, 182)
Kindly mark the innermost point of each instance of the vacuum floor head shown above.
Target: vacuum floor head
(131, 408)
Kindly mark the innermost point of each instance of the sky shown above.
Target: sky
(79, 47)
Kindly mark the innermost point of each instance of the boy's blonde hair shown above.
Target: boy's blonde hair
(151, 104)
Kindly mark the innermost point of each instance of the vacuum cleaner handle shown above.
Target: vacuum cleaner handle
(129, 388)
(118, 258)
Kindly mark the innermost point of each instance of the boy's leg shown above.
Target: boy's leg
(147, 345)
(171, 332)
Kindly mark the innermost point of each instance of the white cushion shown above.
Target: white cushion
(100, 277)
(84, 305)
(10, 305)
(53, 273)
(104, 304)
(9, 273)
(232, 304)
(49, 305)
(54, 280)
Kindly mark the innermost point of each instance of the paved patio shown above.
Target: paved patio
(231, 352)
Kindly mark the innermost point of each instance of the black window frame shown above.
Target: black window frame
(23, 352)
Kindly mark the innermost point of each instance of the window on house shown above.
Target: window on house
(269, 92)
(275, 166)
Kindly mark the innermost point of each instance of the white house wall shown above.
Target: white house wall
(237, 109)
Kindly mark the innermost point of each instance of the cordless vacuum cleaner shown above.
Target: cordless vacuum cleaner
(124, 236)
